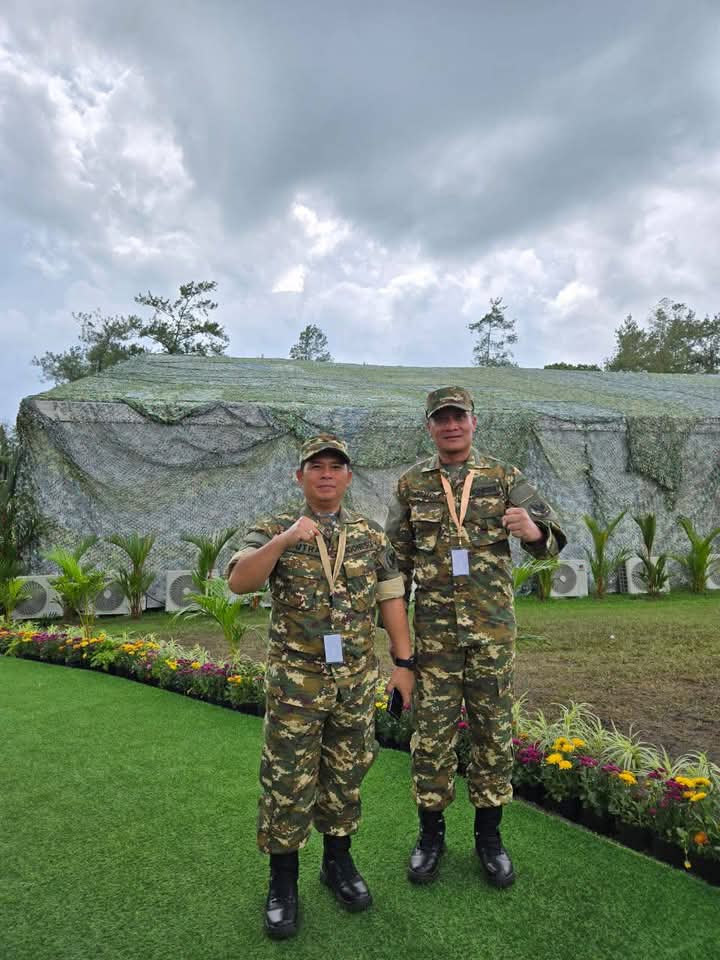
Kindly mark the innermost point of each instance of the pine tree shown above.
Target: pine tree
(495, 333)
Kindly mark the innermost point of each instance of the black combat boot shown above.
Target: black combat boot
(339, 873)
(281, 906)
(430, 846)
(493, 856)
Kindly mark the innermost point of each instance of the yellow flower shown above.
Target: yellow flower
(554, 758)
(700, 795)
(380, 704)
(627, 777)
(195, 664)
(687, 794)
(578, 742)
(235, 678)
(565, 765)
(701, 782)
(687, 864)
(685, 781)
(172, 664)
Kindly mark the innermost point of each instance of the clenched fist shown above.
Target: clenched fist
(303, 529)
(518, 523)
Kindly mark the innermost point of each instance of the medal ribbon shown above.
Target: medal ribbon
(331, 575)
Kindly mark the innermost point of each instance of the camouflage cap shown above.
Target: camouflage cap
(323, 441)
(449, 397)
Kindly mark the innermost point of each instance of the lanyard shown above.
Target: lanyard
(331, 575)
(464, 500)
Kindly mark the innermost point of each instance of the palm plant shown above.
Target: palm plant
(654, 571)
(225, 610)
(208, 551)
(536, 568)
(544, 576)
(12, 592)
(697, 563)
(136, 581)
(77, 585)
(601, 564)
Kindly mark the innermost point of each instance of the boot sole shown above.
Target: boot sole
(281, 933)
(422, 879)
(353, 906)
(499, 884)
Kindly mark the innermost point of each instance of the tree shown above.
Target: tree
(675, 341)
(495, 333)
(182, 326)
(571, 366)
(103, 342)
(312, 345)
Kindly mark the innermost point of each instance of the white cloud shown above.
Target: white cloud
(292, 281)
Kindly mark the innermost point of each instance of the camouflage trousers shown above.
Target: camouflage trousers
(447, 675)
(319, 742)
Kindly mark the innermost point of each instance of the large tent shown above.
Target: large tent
(177, 444)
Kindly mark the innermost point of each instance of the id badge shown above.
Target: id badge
(333, 648)
(460, 563)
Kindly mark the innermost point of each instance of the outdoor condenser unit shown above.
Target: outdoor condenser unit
(42, 602)
(570, 579)
(110, 600)
(713, 581)
(179, 586)
(630, 577)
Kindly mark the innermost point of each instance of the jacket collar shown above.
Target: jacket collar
(345, 515)
(473, 460)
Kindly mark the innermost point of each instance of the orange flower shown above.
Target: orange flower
(701, 838)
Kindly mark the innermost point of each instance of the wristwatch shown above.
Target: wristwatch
(409, 663)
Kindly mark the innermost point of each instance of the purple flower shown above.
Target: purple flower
(588, 762)
(611, 768)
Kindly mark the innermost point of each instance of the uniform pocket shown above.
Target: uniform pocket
(294, 587)
(484, 521)
(426, 520)
(361, 579)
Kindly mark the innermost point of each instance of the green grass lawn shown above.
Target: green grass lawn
(127, 832)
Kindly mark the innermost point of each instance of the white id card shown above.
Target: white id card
(460, 563)
(333, 648)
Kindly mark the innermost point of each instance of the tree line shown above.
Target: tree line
(673, 339)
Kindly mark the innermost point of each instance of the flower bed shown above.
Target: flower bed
(607, 781)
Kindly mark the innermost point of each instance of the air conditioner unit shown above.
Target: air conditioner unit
(713, 580)
(570, 579)
(631, 579)
(110, 600)
(42, 601)
(179, 586)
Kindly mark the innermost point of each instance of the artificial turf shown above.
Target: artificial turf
(127, 831)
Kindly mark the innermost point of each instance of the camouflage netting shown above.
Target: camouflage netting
(168, 445)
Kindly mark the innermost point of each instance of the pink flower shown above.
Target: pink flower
(611, 768)
(462, 725)
(588, 762)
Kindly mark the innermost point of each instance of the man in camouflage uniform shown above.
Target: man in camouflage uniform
(328, 570)
(449, 523)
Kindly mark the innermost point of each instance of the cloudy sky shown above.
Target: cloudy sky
(379, 169)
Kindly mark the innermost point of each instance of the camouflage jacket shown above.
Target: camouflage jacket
(477, 608)
(303, 610)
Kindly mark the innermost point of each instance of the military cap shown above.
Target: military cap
(449, 397)
(324, 441)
